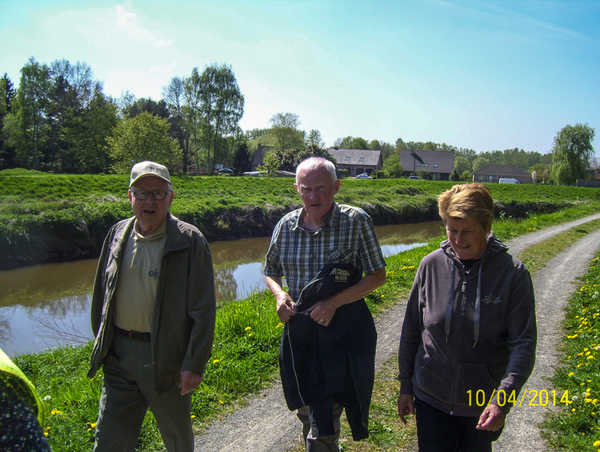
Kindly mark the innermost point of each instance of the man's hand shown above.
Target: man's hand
(406, 406)
(322, 312)
(286, 308)
(189, 381)
(491, 419)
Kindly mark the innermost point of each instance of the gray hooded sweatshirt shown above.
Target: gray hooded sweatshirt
(468, 338)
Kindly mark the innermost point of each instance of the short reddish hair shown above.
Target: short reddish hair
(464, 201)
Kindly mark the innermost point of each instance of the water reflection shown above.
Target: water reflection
(48, 305)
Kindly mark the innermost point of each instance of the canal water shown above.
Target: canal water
(46, 306)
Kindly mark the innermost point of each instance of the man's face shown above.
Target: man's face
(317, 188)
(150, 213)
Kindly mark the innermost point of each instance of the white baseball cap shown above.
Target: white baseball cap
(145, 169)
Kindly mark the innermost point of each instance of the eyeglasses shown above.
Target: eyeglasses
(158, 195)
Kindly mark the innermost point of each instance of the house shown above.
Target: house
(357, 161)
(439, 163)
(491, 173)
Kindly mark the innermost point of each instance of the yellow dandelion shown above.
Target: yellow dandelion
(216, 361)
(571, 374)
(248, 328)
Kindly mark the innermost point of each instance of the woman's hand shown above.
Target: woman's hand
(406, 406)
(492, 418)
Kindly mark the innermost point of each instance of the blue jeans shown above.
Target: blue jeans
(441, 432)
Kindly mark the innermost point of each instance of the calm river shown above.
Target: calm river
(48, 305)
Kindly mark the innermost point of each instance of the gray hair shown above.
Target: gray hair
(313, 163)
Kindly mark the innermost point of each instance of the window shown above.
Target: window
(361, 159)
(425, 164)
(347, 159)
(435, 165)
(417, 164)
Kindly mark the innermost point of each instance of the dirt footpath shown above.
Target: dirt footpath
(266, 425)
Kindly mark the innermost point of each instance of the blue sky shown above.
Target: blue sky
(484, 75)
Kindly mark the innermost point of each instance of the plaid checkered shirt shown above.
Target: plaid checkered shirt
(298, 254)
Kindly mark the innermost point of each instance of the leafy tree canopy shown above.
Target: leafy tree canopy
(572, 153)
(145, 137)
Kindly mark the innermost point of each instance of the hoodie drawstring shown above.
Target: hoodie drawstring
(450, 306)
(477, 316)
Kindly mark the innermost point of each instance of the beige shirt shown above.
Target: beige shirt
(138, 279)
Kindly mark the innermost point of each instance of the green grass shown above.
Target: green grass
(48, 218)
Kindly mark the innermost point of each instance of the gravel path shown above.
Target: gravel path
(266, 425)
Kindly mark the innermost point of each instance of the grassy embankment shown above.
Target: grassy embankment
(50, 218)
(245, 352)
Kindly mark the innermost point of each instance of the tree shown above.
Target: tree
(314, 138)
(214, 107)
(156, 108)
(353, 143)
(145, 137)
(392, 167)
(461, 164)
(242, 160)
(454, 176)
(542, 173)
(284, 133)
(571, 153)
(27, 125)
(289, 159)
(7, 95)
(374, 145)
(469, 154)
(466, 176)
(86, 133)
(174, 96)
(270, 164)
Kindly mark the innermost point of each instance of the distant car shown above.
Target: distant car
(508, 180)
(225, 171)
(363, 176)
(415, 177)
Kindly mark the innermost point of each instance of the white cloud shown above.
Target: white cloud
(129, 24)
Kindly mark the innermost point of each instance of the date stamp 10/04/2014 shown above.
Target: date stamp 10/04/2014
(529, 397)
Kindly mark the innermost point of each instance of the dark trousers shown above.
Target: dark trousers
(441, 432)
(128, 390)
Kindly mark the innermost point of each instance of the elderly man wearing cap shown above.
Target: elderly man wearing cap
(153, 314)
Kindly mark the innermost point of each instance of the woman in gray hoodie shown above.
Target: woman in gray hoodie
(469, 334)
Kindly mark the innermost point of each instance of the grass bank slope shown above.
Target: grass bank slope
(52, 218)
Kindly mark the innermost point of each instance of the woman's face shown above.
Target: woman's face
(467, 237)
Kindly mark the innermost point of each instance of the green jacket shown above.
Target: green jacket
(185, 308)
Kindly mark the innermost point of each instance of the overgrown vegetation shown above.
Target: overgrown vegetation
(244, 361)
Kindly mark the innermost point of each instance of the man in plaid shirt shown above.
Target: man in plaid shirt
(304, 241)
